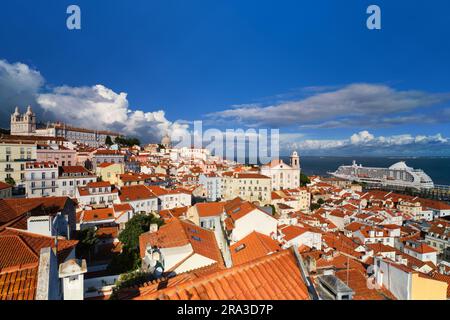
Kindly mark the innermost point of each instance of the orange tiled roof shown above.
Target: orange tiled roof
(354, 226)
(4, 185)
(250, 176)
(120, 207)
(36, 241)
(209, 209)
(252, 247)
(19, 260)
(357, 281)
(133, 193)
(19, 284)
(43, 164)
(178, 233)
(130, 177)
(74, 169)
(105, 165)
(339, 261)
(273, 277)
(99, 184)
(237, 208)
(157, 190)
(173, 213)
(107, 232)
(291, 232)
(108, 152)
(13, 209)
(421, 248)
(97, 214)
(379, 247)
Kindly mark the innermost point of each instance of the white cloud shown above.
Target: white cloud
(102, 108)
(359, 103)
(361, 137)
(96, 107)
(365, 139)
(19, 86)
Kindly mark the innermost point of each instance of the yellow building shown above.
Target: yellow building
(132, 179)
(406, 283)
(252, 187)
(110, 172)
(424, 287)
(14, 154)
(411, 208)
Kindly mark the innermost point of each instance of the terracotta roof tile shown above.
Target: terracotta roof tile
(292, 232)
(357, 281)
(97, 214)
(273, 277)
(178, 233)
(4, 186)
(19, 259)
(11, 209)
(209, 209)
(253, 246)
(133, 193)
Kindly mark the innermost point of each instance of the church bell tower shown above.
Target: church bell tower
(295, 160)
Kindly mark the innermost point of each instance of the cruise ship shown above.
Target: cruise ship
(399, 175)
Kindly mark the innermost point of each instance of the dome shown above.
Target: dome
(29, 111)
(165, 141)
(16, 112)
(400, 166)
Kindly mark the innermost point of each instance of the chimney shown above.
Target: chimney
(153, 228)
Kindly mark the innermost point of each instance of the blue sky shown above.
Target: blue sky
(310, 68)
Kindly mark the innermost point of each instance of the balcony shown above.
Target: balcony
(9, 169)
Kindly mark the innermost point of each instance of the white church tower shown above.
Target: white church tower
(295, 160)
(23, 124)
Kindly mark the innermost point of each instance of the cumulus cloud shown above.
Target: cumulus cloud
(96, 107)
(358, 103)
(364, 142)
(361, 137)
(19, 86)
(102, 108)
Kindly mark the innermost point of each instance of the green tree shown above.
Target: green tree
(320, 201)
(10, 181)
(87, 240)
(136, 226)
(274, 210)
(129, 259)
(108, 141)
(127, 142)
(126, 261)
(315, 206)
(304, 180)
(126, 280)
